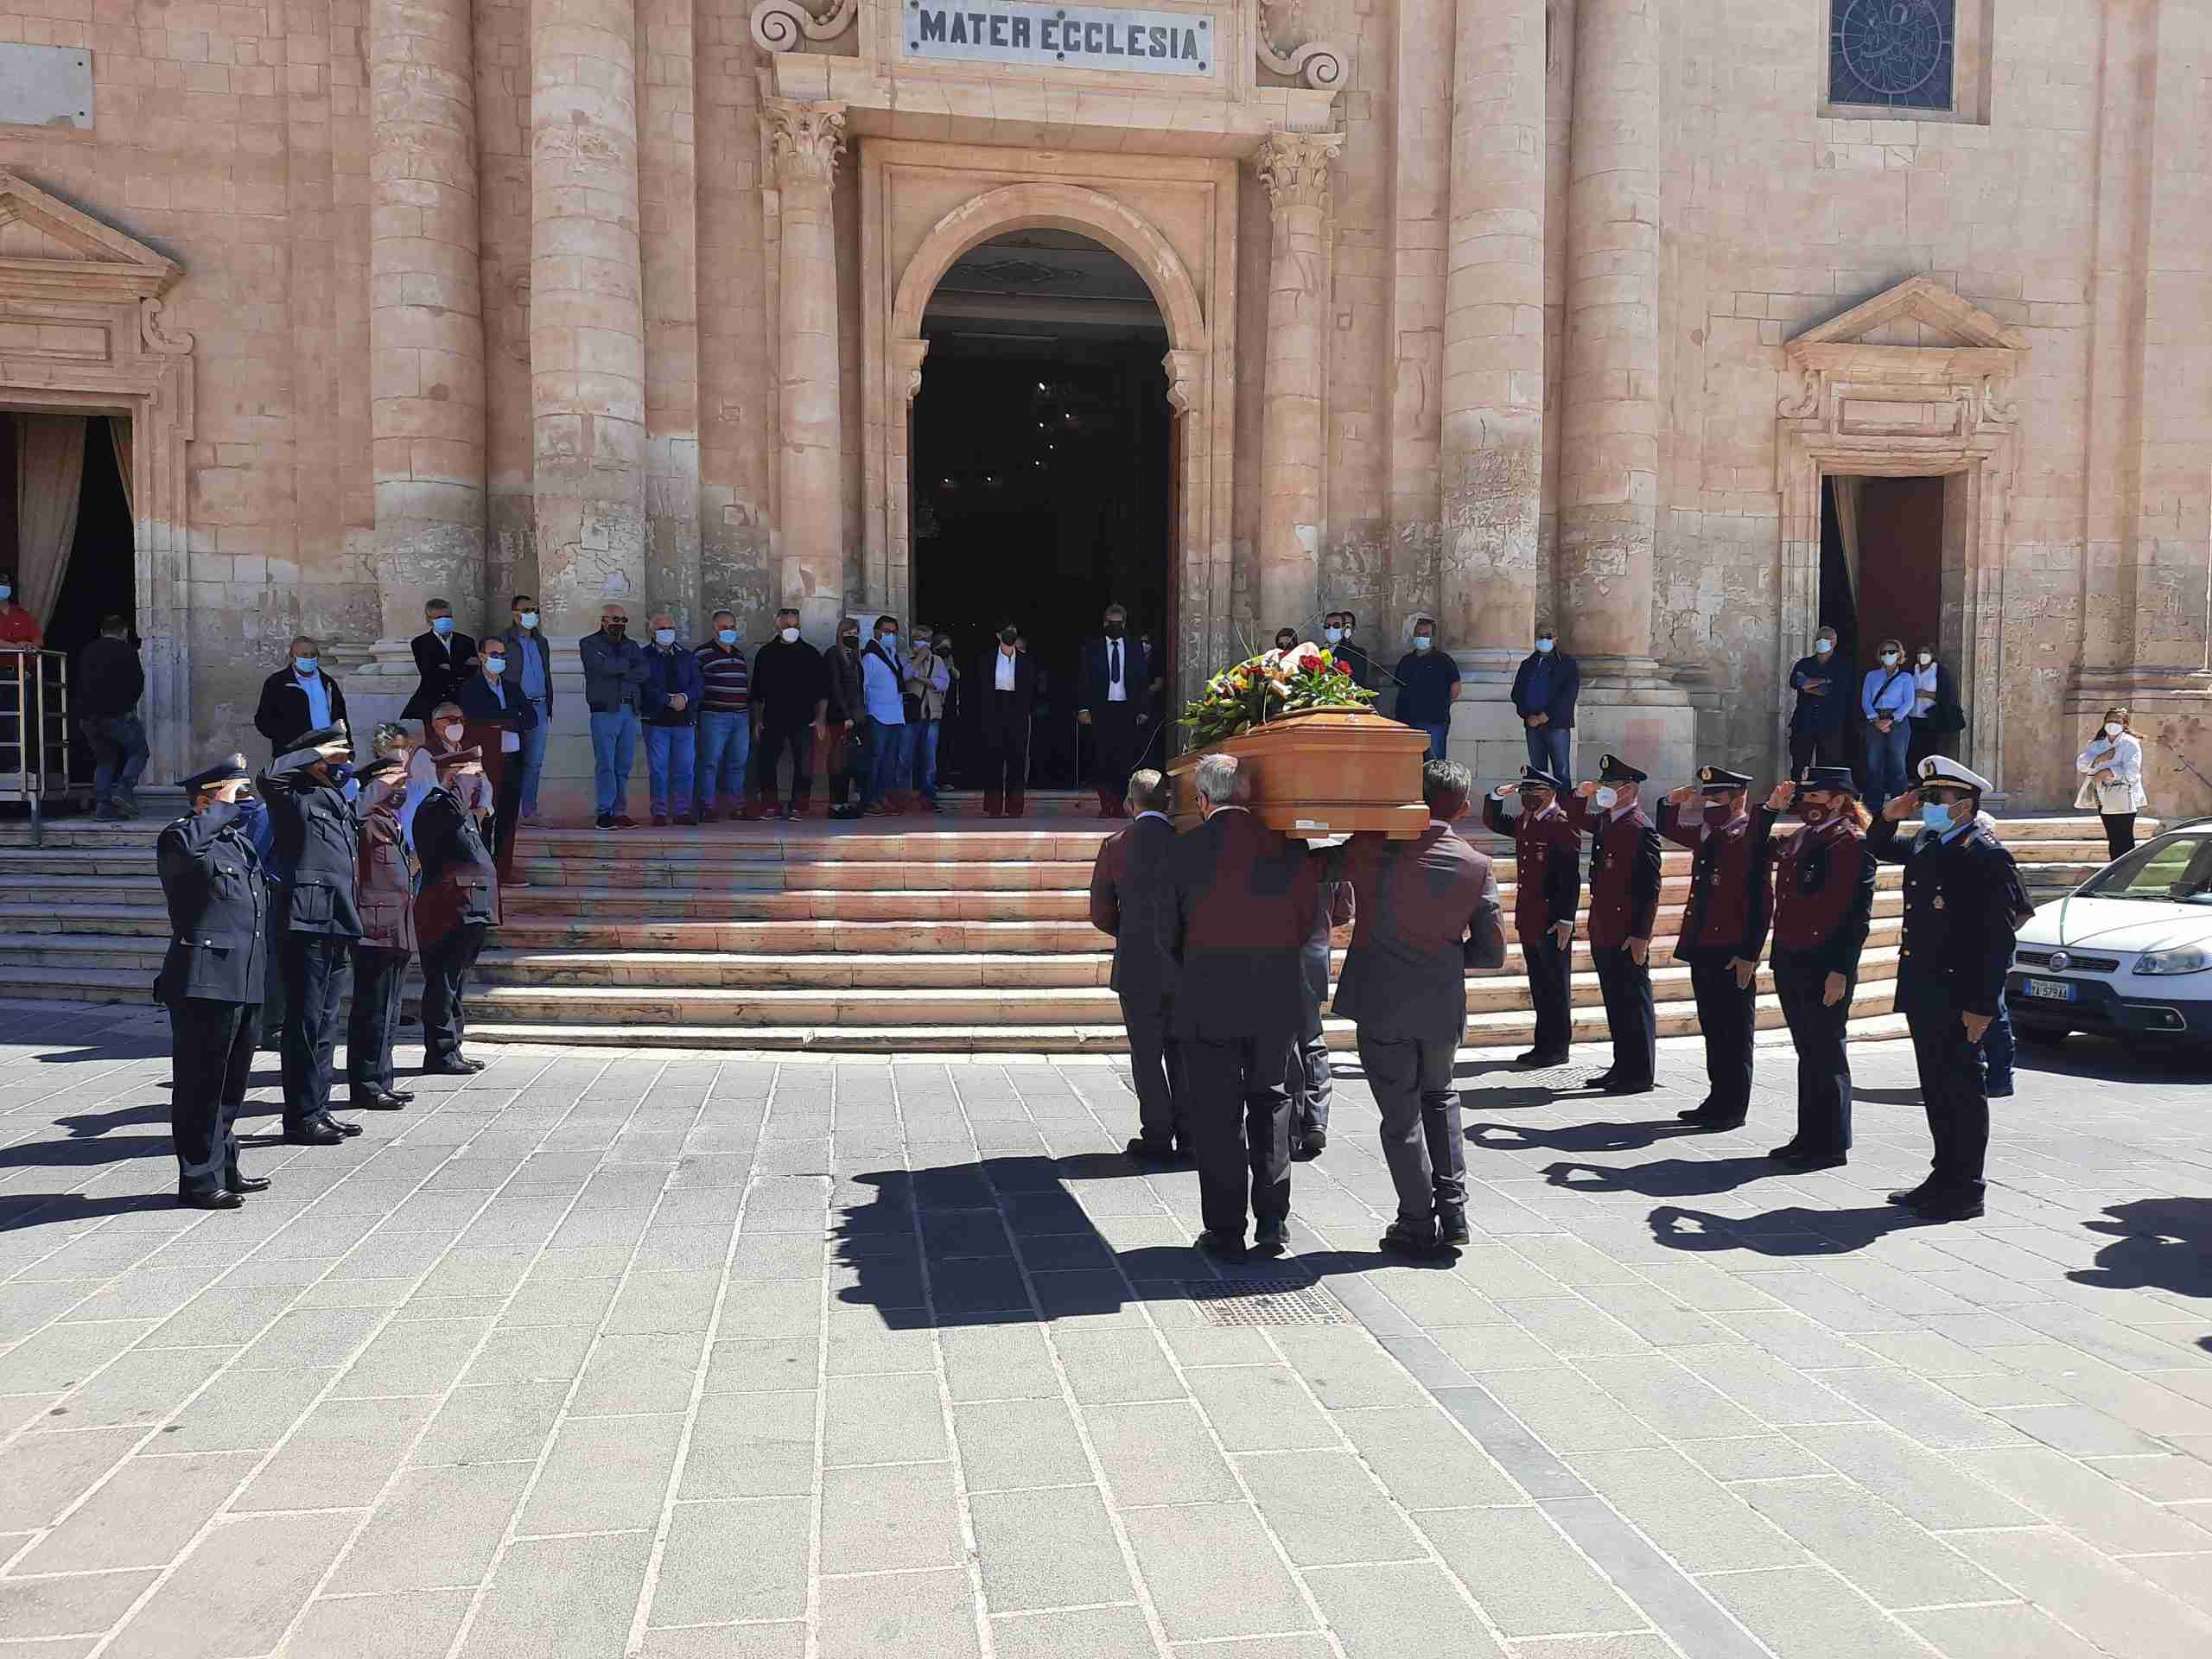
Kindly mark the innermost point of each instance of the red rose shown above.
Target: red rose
(1310, 662)
(1344, 668)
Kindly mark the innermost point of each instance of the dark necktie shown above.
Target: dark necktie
(1114, 674)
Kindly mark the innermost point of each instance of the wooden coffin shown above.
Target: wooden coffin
(1327, 771)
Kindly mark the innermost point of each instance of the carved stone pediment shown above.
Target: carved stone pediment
(50, 250)
(1915, 362)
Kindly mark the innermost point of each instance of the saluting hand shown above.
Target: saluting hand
(1782, 794)
(1975, 1024)
(1683, 796)
(1898, 808)
(1744, 972)
(1639, 951)
(1585, 790)
(1832, 990)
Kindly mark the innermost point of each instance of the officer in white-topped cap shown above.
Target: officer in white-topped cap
(1958, 886)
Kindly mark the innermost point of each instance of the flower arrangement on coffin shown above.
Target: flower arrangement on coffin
(1269, 686)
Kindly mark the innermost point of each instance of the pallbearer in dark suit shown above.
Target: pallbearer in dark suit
(1724, 929)
(385, 891)
(1005, 688)
(1547, 892)
(1310, 1086)
(316, 847)
(1428, 911)
(1624, 910)
(211, 981)
(1129, 886)
(458, 900)
(1240, 904)
(1823, 901)
(1959, 883)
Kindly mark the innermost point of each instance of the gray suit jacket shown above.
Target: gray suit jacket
(1128, 886)
(1428, 911)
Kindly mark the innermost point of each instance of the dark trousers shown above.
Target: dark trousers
(1924, 742)
(446, 963)
(2119, 834)
(316, 967)
(1951, 1094)
(1308, 1079)
(275, 998)
(768, 754)
(1006, 748)
(212, 1048)
(373, 1020)
(1823, 1062)
(845, 760)
(1726, 1014)
(1411, 1078)
(1629, 1013)
(506, 815)
(1815, 749)
(1116, 742)
(1156, 1071)
(1239, 1120)
(1549, 966)
(2000, 1050)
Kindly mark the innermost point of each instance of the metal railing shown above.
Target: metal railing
(34, 729)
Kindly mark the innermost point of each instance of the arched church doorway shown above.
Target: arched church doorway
(1043, 487)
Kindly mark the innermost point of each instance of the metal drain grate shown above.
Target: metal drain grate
(1275, 1300)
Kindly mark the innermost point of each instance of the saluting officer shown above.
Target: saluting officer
(212, 982)
(1724, 929)
(1823, 900)
(1624, 910)
(459, 900)
(316, 842)
(1959, 882)
(1547, 892)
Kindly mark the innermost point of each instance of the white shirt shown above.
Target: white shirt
(1149, 813)
(1923, 696)
(1116, 660)
(1002, 669)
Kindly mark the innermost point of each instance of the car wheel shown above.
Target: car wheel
(2043, 1036)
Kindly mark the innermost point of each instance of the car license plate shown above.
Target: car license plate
(2048, 990)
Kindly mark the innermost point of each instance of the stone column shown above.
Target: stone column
(1493, 436)
(586, 326)
(1294, 168)
(1611, 402)
(669, 193)
(804, 140)
(426, 330)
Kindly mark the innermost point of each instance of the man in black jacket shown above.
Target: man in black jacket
(1546, 687)
(459, 900)
(110, 681)
(443, 656)
(1114, 693)
(497, 714)
(1005, 686)
(299, 698)
(211, 981)
(791, 693)
(316, 847)
(1129, 884)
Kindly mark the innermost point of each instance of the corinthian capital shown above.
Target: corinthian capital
(805, 139)
(1294, 166)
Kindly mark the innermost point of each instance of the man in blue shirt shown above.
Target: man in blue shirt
(1428, 684)
(1816, 723)
(530, 667)
(889, 743)
(672, 692)
(1886, 698)
(1545, 690)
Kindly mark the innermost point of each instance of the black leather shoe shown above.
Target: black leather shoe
(1698, 1113)
(1628, 1086)
(1788, 1153)
(1310, 1146)
(220, 1199)
(1948, 1206)
(1150, 1151)
(1804, 1163)
(1912, 1196)
(1422, 1244)
(1271, 1238)
(374, 1100)
(1603, 1080)
(1710, 1122)
(1222, 1248)
(454, 1068)
(403, 1095)
(1450, 1226)
(1535, 1058)
(246, 1183)
(314, 1132)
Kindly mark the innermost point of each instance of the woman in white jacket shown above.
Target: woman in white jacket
(2112, 780)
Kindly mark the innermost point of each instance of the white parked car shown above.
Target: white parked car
(2126, 954)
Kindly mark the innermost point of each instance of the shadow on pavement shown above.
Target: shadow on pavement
(1580, 1137)
(2160, 1244)
(1665, 1178)
(1793, 1231)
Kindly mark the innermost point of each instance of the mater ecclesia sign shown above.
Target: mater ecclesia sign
(1072, 37)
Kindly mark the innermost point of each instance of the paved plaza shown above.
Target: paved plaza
(685, 1355)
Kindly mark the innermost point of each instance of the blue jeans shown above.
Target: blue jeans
(533, 757)
(1547, 746)
(926, 735)
(614, 751)
(1436, 736)
(669, 753)
(119, 751)
(1885, 761)
(890, 760)
(725, 747)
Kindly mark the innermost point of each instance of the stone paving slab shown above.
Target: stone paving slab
(604, 1353)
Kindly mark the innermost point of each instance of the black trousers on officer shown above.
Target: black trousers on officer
(768, 748)
(1156, 1071)
(273, 1000)
(1726, 1014)
(1629, 1013)
(1240, 1124)
(446, 963)
(1823, 1062)
(316, 967)
(374, 1019)
(1950, 1093)
(211, 1046)
(1550, 964)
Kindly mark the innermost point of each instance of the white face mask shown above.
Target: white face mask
(1607, 798)
(1889, 660)
(1927, 657)
(789, 636)
(453, 733)
(2114, 728)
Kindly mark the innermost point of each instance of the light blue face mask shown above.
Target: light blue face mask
(1935, 815)
(6, 592)
(1546, 643)
(1333, 635)
(727, 635)
(308, 665)
(1423, 642)
(890, 640)
(441, 626)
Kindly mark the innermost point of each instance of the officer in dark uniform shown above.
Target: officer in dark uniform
(1624, 910)
(1724, 929)
(1547, 892)
(1823, 900)
(316, 841)
(211, 981)
(1958, 944)
(458, 900)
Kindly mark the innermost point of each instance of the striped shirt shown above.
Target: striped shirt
(729, 679)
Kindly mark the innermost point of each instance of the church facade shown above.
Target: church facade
(1681, 327)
